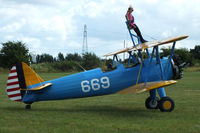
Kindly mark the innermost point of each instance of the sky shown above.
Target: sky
(50, 26)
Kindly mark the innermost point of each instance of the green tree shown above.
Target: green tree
(60, 57)
(73, 57)
(44, 58)
(90, 61)
(195, 56)
(165, 51)
(183, 53)
(12, 53)
(195, 53)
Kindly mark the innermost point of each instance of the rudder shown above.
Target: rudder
(20, 76)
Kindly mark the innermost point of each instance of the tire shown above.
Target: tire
(28, 106)
(152, 103)
(166, 104)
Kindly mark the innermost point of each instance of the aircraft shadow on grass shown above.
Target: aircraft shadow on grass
(98, 110)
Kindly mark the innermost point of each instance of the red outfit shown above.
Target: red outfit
(130, 18)
(132, 23)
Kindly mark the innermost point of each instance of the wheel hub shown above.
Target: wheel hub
(167, 104)
(153, 103)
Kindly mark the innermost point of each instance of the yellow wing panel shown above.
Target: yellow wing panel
(118, 51)
(156, 43)
(146, 87)
(147, 45)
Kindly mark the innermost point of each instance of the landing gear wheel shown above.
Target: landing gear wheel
(28, 106)
(152, 103)
(166, 104)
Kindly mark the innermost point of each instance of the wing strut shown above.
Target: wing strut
(139, 71)
(159, 62)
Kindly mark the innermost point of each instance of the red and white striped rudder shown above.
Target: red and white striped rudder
(13, 87)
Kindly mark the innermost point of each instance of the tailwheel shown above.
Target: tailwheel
(28, 106)
(152, 103)
(166, 104)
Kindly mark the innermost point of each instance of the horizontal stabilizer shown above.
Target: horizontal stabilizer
(146, 87)
(147, 45)
(39, 87)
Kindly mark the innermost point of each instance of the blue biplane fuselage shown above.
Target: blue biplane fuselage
(96, 82)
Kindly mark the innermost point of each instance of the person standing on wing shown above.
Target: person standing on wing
(131, 22)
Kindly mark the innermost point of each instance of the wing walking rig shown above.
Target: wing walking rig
(146, 68)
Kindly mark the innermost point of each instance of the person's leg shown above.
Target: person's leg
(137, 31)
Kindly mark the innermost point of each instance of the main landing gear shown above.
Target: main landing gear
(165, 104)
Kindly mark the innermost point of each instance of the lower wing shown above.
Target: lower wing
(142, 87)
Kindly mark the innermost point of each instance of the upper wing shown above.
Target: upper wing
(156, 43)
(118, 51)
(147, 45)
(146, 87)
(39, 87)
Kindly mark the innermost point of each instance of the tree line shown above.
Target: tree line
(191, 57)
(70, 61)
(13, 52)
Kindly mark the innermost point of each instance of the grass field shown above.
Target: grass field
(104, 114)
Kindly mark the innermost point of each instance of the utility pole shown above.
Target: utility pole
(124, 48)
(85, 44)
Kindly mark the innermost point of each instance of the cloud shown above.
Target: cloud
(57, 26)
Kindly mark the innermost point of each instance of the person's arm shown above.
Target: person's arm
(130, 19)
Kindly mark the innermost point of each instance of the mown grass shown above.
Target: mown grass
(104, 114)
(192, 69)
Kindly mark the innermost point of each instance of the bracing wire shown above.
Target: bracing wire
(151, 37)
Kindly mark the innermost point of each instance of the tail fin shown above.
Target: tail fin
(21, 76)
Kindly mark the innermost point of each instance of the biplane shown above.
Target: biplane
(144, 71)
